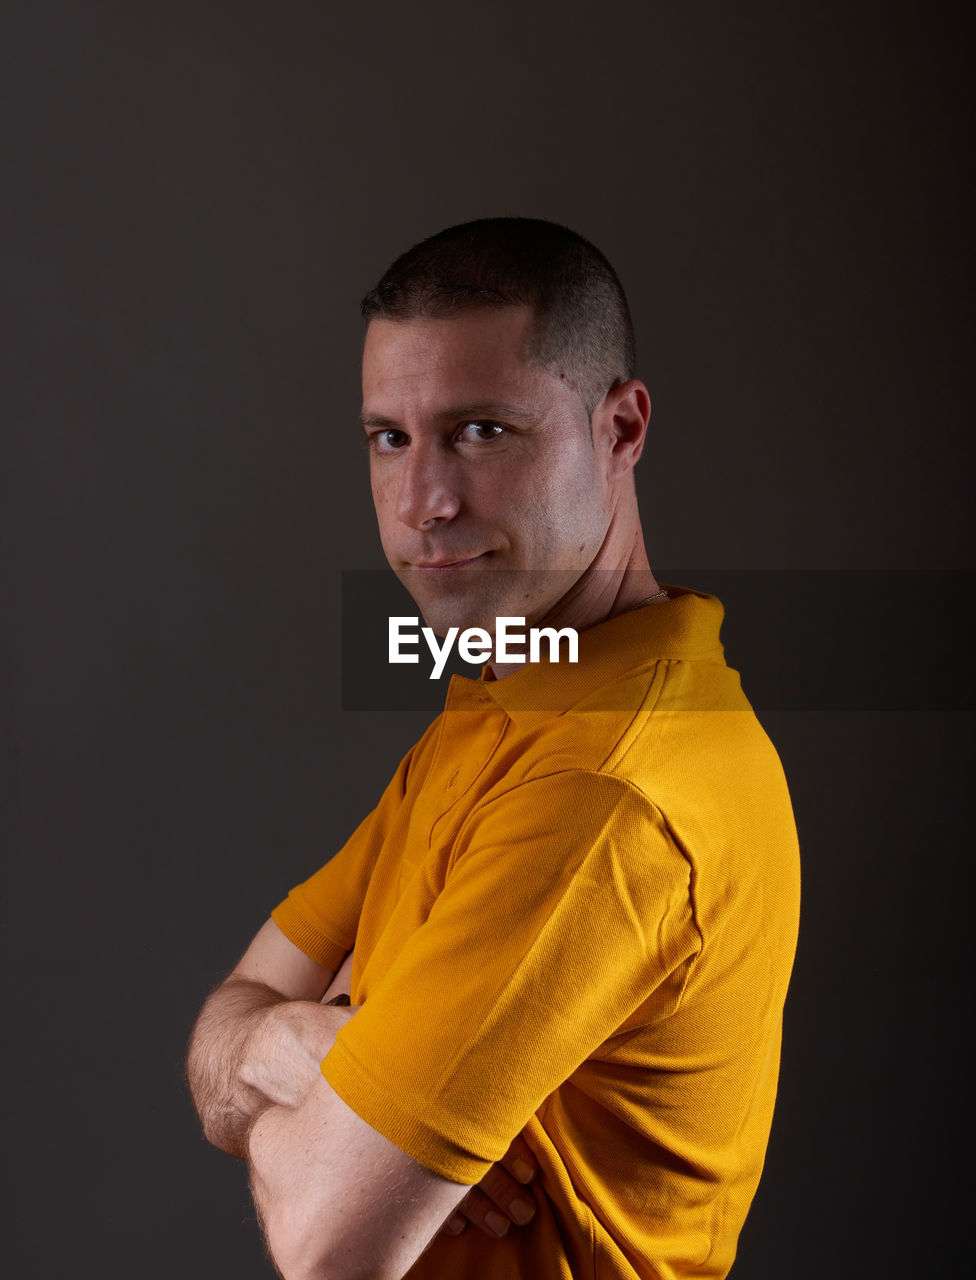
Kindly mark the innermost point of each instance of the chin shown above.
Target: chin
(476, 599)
(443, 607)
(441, 615)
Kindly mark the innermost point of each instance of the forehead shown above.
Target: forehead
(478, 353)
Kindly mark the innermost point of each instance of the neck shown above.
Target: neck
(600, 593)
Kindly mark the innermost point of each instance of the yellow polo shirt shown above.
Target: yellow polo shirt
(574, 913)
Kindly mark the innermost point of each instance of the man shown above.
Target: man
(567, 927)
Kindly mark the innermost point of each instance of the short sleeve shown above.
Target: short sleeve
(321, 915)
(566, 903)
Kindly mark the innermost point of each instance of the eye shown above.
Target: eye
(387, 441)
(480, 432)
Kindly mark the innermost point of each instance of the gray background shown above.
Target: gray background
(198, 196)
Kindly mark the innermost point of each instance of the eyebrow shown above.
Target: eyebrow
(484, 409)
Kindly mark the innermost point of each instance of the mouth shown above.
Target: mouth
(435, 568)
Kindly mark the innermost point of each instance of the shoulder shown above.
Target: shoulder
(562, 820)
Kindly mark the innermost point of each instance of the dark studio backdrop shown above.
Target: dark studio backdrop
(198, 195)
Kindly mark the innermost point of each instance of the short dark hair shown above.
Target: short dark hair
(582, 322)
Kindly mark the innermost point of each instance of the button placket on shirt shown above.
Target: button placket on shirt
(473, 727)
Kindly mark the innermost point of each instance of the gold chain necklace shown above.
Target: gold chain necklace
(658, 595)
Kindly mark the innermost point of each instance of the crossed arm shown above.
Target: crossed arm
(336, 1199)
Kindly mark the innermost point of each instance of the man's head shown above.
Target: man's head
(581, 326)
(504, 424)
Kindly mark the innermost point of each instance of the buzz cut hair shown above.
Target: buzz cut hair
(582, 328)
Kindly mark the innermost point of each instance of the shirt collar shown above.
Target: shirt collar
(684, 627)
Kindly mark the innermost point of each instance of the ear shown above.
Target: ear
(620, 424)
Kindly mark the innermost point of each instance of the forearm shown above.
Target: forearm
(218, 1058)
(288, 1176)
(252, 1048)
(335, 1198)
(272, 1170)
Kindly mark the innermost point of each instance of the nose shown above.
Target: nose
(427, 492)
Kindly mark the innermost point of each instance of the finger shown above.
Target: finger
(509, 1195)
(520, 1160)
(495, 1216)
(455, 1224)
(485, 1214)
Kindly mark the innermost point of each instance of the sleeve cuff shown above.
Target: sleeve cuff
(307, 936)
(418, 1139)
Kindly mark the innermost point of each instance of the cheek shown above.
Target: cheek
(568, 502)
(382, 494)
(385, 520)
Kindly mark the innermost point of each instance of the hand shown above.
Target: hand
(285, 1052)
(501, 1198)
